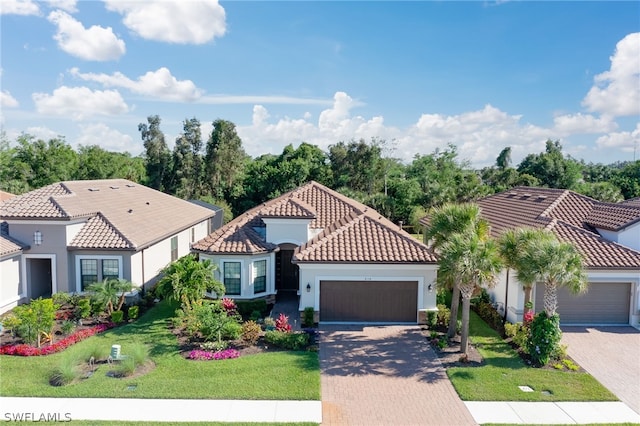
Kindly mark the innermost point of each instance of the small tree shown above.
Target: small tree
(110, 294)
(35, 319)
(186, 281)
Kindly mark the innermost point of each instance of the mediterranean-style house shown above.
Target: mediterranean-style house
(65, 236)
(340, 257)
(606, 234)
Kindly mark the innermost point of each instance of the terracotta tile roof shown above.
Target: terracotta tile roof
(5, 195)
(632, 202)
(571, 216)
(613, 217)
(9, 245)
(131, 216)
(351, 231)
(598, 252)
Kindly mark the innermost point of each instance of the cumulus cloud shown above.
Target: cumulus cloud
(480, 135)
(625, 141)
(6, 100)
(157, 84)
(19, 7)
(93, 44)
(80, 102)
(67, 5)
(583, 123)
(617, 91)
(107, 138)
(178, 21)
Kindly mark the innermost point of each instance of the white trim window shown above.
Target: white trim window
(232, 275)
(174, 248)
(259, 276)
(92, 269)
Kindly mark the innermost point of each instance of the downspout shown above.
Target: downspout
(143, 280)
(506, 297)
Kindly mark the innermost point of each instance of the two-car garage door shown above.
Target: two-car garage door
(369, 301)
(603, 303)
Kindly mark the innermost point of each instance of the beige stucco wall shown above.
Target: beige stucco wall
(10, 286)
(246, 274)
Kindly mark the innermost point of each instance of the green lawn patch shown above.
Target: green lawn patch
(504, 371)
(285, 375)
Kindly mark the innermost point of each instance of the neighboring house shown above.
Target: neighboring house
(339, 256)
(68, 235)
(606, 234)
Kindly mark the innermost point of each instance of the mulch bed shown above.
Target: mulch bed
(450, 355)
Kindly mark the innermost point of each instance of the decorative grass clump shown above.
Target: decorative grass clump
(137, 355)
(66, 372)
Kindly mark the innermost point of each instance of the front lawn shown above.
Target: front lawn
(504, 371)
(281, 375)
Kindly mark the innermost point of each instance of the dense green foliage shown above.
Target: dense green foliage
(216, 169)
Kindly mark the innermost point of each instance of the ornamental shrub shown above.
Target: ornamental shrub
(83, 308)
(117, 316)
(287, 340)
(432, 319)
(545, 338)
(133, 312)
(231, 330)
(282, 323)
(251, 332)
(307, 317)
(443, 315)
(36, 318)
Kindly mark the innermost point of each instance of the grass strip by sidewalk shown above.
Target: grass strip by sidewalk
(504, 371)
(281, 375)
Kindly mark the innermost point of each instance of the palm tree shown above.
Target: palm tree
(110, 293)
(556, 264)
(474, 259)
(445, 221)
(514, 247)
(187, 279)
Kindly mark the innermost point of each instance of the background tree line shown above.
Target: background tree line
(215, 168)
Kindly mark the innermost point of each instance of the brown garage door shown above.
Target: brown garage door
(369, 301)
(603, 303)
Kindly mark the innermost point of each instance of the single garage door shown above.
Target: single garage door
(603, 303)
(369, 301)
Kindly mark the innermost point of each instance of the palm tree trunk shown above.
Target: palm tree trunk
(453, 318)
(550, 298)
(464, 341)
(527, 294)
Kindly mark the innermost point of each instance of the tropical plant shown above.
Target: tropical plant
(110, 294)
(186, 281)
(36, 319)
(473, 259)
(515, 246)
(444, 222)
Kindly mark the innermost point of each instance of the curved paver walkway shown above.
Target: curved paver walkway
(610, 354)
(384, 375)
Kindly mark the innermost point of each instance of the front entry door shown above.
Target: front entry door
(286, 272)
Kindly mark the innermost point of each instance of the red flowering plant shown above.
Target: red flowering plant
(230, 307)
(282, 323)
(62, 344)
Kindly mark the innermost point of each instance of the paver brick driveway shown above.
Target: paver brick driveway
(384, 375)
(610, 354)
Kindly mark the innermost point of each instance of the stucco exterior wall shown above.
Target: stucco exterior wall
(294, 231)
(11, 289)
(246, 272)
(629, 236)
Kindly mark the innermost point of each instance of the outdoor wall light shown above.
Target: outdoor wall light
(37, 238)
(430, 288)
(308, 288)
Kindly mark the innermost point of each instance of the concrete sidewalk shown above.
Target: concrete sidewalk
(229, 411)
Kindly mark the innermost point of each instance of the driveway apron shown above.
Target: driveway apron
(385, 375)
(610, 354)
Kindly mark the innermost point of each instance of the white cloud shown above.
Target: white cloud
(6, 100)
(93, 44)
(80, 102)
(617, 91)
(579, 123)
(107, 138)
(179, 21)
(19, 7)
(625, 141)
(158, 84)
(43, 133)
(66, 5)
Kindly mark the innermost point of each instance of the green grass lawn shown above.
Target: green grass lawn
(504, 371)
(272, 375)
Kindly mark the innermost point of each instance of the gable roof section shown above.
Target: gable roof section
(121, 214)
(570, 216)
(351, 231)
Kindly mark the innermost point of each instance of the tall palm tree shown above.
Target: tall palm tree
(444, 222)
(556, 264)
(474, 259)
(515, 244)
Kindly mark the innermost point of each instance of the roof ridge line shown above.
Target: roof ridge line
(552, 206)
(117, 231)
(600, 238)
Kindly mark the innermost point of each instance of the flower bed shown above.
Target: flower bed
(202, 355)
(28, 350)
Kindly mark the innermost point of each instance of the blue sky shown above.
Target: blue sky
(480, 75)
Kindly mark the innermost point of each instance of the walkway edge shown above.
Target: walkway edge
(551, 412)
(156, 410)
